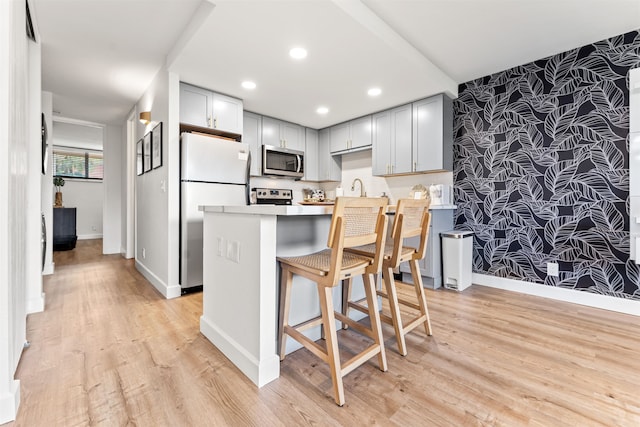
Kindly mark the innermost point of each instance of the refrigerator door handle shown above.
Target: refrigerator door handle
(247, 187)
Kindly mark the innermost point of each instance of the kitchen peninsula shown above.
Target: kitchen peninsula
(241, 280)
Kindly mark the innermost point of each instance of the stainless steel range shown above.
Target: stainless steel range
(272, 196)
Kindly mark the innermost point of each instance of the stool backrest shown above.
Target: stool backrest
(358, 221)
(412, 219)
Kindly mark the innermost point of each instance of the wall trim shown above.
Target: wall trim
(9, 403)
(49, 268)
(589, 299)
(260, 372)
(89, 236)
(167, 291)
(36, 305)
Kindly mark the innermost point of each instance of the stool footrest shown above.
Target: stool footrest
(308, 343)
(415, 322)
(355, 325)
(359, 359)
(308, 324)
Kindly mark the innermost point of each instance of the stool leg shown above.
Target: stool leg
(422, 299)
(346, 297)
(394, 305)
(374, 316)
(331, 339)
(285, 301)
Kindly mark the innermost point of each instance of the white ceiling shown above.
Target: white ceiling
(99, 56)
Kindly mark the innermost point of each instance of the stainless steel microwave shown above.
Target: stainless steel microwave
(278, 161)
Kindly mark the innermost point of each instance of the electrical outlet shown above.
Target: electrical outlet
(552, 269)
(144, 253)
(94, 228)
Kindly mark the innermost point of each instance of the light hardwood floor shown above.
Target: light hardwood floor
(109, 350)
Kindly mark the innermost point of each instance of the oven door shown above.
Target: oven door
(279, 161)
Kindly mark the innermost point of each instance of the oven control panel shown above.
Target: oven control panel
(273, 196)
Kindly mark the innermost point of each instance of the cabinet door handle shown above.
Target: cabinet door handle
(215, 123)
(415, 166)
(209, 121)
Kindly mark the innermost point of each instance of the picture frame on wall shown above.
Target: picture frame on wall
(139, 157)
(146, 153)
(156, 146)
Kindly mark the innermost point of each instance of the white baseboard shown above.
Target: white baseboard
(89, 236)
(36, 305)
(260, 372)
(9, 403)
(48, 269)
(168, 291)
(605, 302)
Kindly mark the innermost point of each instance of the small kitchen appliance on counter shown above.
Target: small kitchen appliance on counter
(273, 196)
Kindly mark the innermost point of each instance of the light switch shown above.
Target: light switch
(221, 246)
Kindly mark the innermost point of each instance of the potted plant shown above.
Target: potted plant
(58, 182)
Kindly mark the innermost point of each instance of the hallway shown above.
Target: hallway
(109, 350)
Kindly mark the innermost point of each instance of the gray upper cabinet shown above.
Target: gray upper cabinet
(414, 138)
(282, 134)
(433, 134)
(311, 155)
(252, 135)
(195, 105)
(329, 167)
(351, 136)
(205, 108)
(392, 145)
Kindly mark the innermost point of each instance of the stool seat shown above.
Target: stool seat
(319, 263)
(368, 251)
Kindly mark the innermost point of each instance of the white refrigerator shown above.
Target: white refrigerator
(213, 171)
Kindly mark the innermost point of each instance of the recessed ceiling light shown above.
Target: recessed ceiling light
(248, 84)
(322, 110)
(298, 53)
(374, 91)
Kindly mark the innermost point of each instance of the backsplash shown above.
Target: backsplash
(541, 169)
(358, 165)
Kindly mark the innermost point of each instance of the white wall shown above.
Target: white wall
(34, 294)
(87, 197)
(15, 177)
(112, 191)
(157, 209)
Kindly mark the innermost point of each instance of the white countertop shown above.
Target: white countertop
(293, 210)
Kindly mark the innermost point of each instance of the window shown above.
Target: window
(76, 163)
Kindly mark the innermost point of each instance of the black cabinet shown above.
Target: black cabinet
(64, 229)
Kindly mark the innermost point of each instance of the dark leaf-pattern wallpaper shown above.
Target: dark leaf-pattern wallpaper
(541, 169)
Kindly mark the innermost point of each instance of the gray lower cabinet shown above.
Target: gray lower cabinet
(252, 135)
(431, 264)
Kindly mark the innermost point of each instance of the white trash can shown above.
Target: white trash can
(457, 249)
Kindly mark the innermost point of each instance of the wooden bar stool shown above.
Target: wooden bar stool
(356, 221)
(412, 218)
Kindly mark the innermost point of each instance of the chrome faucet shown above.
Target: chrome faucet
(353, 187)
